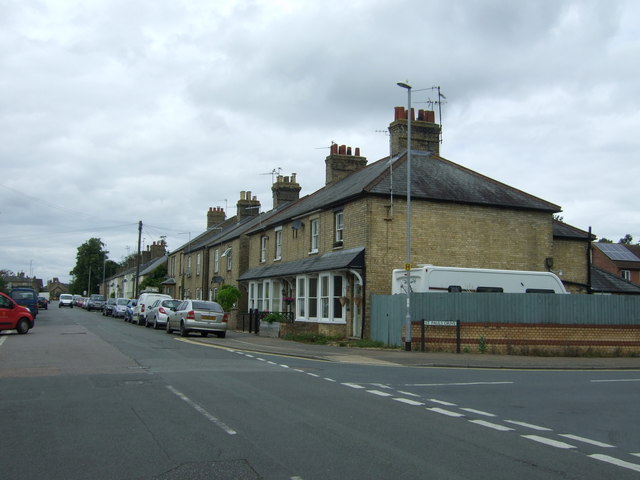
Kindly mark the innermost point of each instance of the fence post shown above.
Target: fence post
(422, 339)
(457, 336)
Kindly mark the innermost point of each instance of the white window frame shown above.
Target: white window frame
(216, 261)
(189, 265)
(198, 265)
(329, 309)
(264, 241)
(626, 274)
(314, 227)
(339, 224)
(278, 243)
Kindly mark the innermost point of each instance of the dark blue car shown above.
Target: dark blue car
(27, 297)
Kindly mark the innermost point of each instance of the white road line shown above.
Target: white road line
(636, 454)
(586, 440)
(249, 355)
(2, 339)
(271, 362)
(381, 385)
(352, 385)
(313, 375)
(548, 441)
(202, 411)
(408, 401)
(529, 425)
(379, 393)
(298, 370)
(442, 402)
(616, 461)
(284, 366)
(495, 426)
(260, 359)
(448, 413)
(329, 379)
(616, 380)
(455, 384)
(478, 412)
(409, 394)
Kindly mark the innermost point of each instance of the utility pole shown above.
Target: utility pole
(135, 291)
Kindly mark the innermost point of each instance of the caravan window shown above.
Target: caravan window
(538, 290)
(489, 290)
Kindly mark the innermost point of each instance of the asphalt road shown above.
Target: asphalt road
(84, 396)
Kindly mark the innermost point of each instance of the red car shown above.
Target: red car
(14, 316)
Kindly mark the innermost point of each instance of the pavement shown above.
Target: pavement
(251, 342)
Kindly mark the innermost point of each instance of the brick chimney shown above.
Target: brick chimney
(247, 206)
(286, 189)
(215, 216)
(157, 249)
(425, 133)
(341, 163)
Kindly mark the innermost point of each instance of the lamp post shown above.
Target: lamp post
(407, 267)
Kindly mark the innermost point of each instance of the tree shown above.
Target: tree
(626, 240)
(227, 296)
(605, 240)
(155, 278)
(90, 263)
(3, 282)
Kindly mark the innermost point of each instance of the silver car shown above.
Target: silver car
(159, 311)
(120, 308)
(198, 316)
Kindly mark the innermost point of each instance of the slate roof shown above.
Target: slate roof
(605, 282)
(563, 230)
(350, 258)
(433, 178)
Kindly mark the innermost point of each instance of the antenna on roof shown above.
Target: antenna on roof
(438, 102)
(275, 171)
(322, 148)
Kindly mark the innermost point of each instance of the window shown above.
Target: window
(315, 235)
(337, 294)
(216, 261)
(339, 223)
(313, 297)
(227, 253)
(318, 298)
(278, 253)
(263, 248)
(301, 298)
(626, 274)
(264, 295)
(198, 265)
(198, 293)
(324, 296)
(189, 265)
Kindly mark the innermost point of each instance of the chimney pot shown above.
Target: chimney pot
(357, 151)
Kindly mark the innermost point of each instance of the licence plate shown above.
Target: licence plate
(208, 317)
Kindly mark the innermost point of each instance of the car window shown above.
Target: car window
(4, 302)
(171, 303)
(209, 306)
(122, 301)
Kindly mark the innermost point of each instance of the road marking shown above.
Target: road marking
(352, 385)
(455, 384)
(312, 374)
(379, 393)
(329, 379)
(202, 411)
(442, 402)
(448, 413)
(284, 366)
(586, 440)
(616, 380)
(478, 412)
(495, 426)
(616, 461)
(409, 394)
(636, 454)
(408, 401)
(529, 425)
(548, 441)
(2, 339)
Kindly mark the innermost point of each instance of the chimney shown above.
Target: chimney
(425, 133)
(286, 189)
(247, 206)
(158, 249)
(215, 216)
(341, 163)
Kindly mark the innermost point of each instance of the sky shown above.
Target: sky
(114, 112)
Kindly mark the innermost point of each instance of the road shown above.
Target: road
(84, 396)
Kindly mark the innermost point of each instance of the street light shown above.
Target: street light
(407, 266)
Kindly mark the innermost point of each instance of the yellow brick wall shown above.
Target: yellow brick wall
(570, 263)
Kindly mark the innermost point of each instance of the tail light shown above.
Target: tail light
(225, 318)
(162, 311)
(142, 308)
(191, 315)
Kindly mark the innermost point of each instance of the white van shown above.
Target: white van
(144, 302)
(432, 278)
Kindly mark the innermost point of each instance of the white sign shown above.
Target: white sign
(440, 323)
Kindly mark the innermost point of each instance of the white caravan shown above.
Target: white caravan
(432, 278)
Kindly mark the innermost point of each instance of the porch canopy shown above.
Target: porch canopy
(352, 258)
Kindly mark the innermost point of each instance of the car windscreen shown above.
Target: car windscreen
(171, 303)
(22, 295)
(209, 306)
(122, 301)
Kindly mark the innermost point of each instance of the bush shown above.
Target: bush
(228, 296)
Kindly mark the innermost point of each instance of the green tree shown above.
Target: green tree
(155, 278)
(88, 272)
(227, 296)
(605, 240)
(3, 282)
(626, 240)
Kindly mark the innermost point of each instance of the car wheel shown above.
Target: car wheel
(221, 334)
(183, 330)
(204, 334)
(23, 326)
(168, 327)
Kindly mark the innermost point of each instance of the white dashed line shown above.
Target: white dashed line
(529, 425)
(329, 379)
(618, 380)
(548, 441)
(616, 461)
(202, 411)
(408, 394)
(478, 412)
(408, 401)
(313, 375)
(442, 402)
(448, 413)
(586, 440)
(455, 384)
(352, 385)
(379, 393)
(284, 366)
(2, 339)
(494, 426)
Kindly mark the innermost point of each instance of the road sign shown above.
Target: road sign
(440, 323)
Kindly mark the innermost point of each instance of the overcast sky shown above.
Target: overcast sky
(116, 111)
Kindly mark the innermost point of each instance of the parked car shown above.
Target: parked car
(96, 302)
(14, 316)
(120, 307)
(65, 300)
(128, 314)
(77, 300)
(144, 302)
(84, 303)
(43, 303)
(107, 309)
(198, 316)
(159, 311)
(27, 297)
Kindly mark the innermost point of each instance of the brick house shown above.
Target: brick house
(322, 256)
(619, 259)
